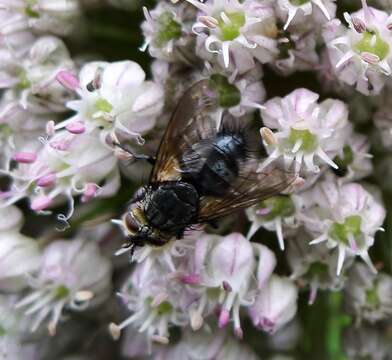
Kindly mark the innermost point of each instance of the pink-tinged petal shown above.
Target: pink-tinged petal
(266, 325)
(68, 80)
(41, 203)
(76, 127)
(25, 157)
(47, 180)
(275, 304)
(149, 100)
(266, 266)
(61, 145)
(232, 260)
(302, 99)
(122, 74)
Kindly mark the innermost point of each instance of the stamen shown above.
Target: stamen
(68, 80)
(76, 127)
(115, 331)
(268, 136)
(358, 24)
(160, 339)
(226, 286)
(84, 295)
(370, 58)
(209, 21)
(224, 318)
(41, 203)
(25, 157)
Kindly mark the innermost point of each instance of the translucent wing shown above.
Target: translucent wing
(250, 188)
(190, 122)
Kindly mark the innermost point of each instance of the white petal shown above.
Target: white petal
(226, 53)
(341, 257)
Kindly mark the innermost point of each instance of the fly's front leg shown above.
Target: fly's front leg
(134, 156)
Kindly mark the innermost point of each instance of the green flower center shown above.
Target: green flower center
(228, 94)
(299, 2)
(279, 206)
(308, 140)
(371, 42)
(372, 297)
(61, 292)
(103, 105)
(2, 331)
(169, 29)
(29, 11)
(231, 30)
(164, 308)
(5, 130)
(24, 82)
(351, 225)
(348, 158)
(318, 270)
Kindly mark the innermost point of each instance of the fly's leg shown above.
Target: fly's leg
(149, 159)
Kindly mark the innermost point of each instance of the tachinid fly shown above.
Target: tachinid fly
(202, 171)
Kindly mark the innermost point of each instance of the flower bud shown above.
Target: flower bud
(275, 304)
(20, 256)
(11, 219)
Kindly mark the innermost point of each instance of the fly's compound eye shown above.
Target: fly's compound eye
(131, 224)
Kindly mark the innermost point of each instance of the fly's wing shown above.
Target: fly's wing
(190, 134)
(249, 188)
(190, 122)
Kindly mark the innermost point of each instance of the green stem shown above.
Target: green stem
(337, 321)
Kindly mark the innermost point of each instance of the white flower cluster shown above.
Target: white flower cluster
(190, 281)
(311, 78)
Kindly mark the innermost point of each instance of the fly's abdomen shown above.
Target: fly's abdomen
(211, 166)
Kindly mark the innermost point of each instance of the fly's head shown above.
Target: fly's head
(139, 231)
